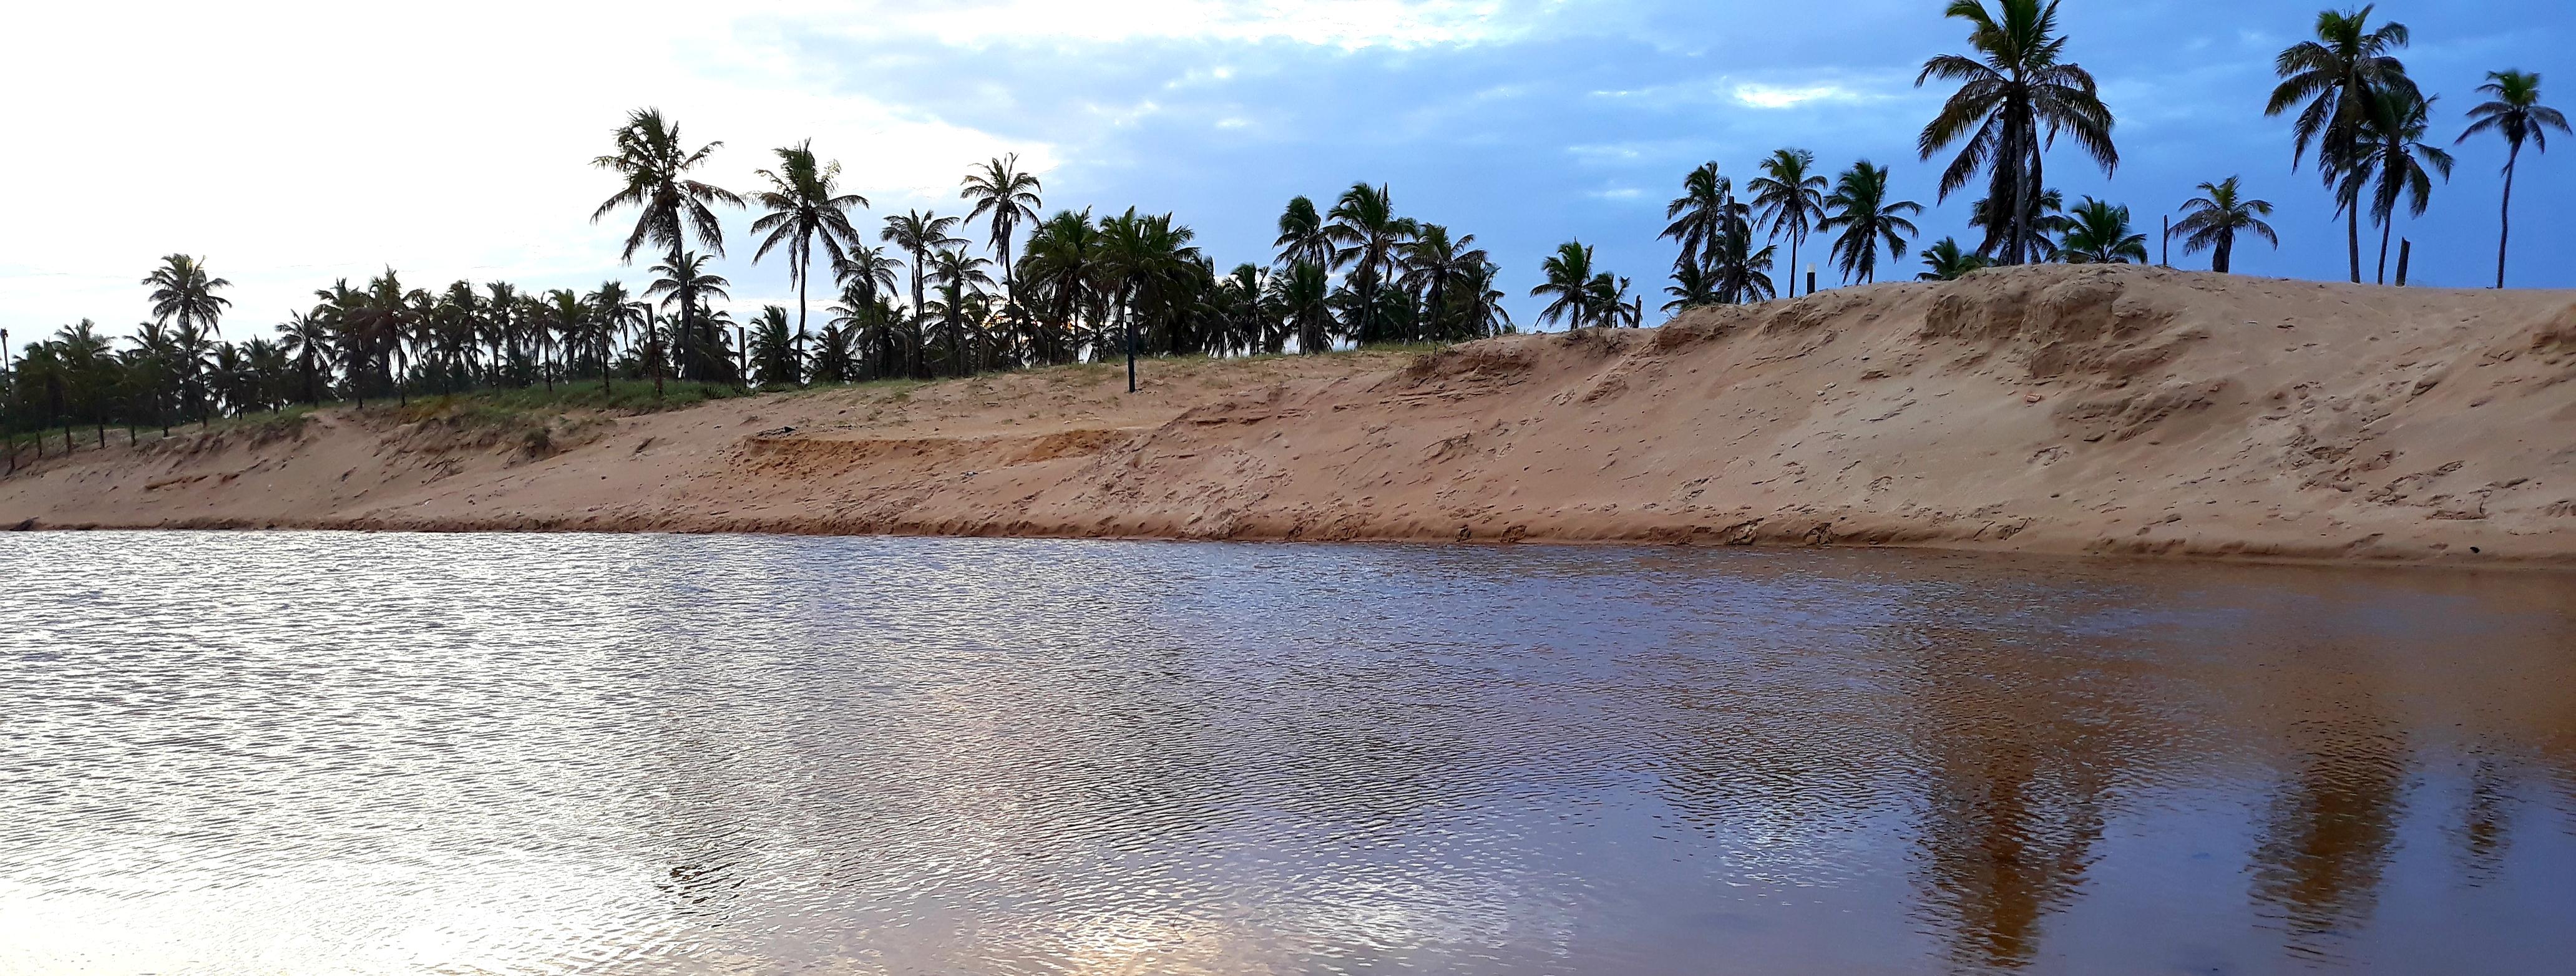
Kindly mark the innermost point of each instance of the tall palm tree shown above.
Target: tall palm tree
(1860, 209)
(2512, 110)
(182, 291)
(1364, 225)
(1302, 236)
(670, 207)
(2216, 216)
(1791, 199)
(1568, 275)
(2333, 75)
(2012, 103)
(804, 203)
(1004, 196)
(920, 232)
(1699, 215)
(2101, 235)
(2391, 162)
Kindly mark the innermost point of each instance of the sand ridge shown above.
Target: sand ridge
(2054, 409)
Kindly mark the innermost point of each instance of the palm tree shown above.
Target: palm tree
(804, 203)
(614, 312)
(1860, 209)
(685, 282)
(181, 290)
(670, 206)
(1790, 199)
(567, 315)
(1691, 288)
(2512, 110)
(2010, 107)
(1610, 294)
(919, 232)
(2047, 223)
(1364, 224)
(959, 276)
(307, 338)
(1740, 272)
(1699, 215)
(1569, 277)
(1302, 298)
(1302, 236)
(1005, 196)
(2214, 218)
(1431, 263)
(2334, 74)
(2101, 235)
(2391, 160)
(86, 357)
(1948, 261)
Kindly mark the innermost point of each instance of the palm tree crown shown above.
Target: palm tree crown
(2100, 235)
(1791, 199)
(2013, 101)
(1569, 277)
(1005, 195)
(2213, 219)
(182, 291)
(1860, 208)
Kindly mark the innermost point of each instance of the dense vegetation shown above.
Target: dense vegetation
(917, 301)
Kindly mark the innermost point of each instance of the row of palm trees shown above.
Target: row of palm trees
(1080, 287)
(2367, 121)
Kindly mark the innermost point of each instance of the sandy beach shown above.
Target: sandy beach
(2059, 409)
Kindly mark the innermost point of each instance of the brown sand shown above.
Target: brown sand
(2054, 409)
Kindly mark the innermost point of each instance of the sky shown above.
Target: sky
(292, 144)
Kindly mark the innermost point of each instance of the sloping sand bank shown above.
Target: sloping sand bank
(2057, 409)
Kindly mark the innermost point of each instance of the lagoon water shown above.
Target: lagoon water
(319, 752)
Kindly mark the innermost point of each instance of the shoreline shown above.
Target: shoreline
(2078, 411)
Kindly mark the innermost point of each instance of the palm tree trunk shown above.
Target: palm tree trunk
(802, 272)
(2226, 246)
(2504, 234)
(2386, 227)
(2352, 236)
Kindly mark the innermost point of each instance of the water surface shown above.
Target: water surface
(293, 752)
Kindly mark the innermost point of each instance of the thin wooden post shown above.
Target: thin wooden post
(2405, 254)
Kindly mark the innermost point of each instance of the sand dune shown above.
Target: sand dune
(2057, 409)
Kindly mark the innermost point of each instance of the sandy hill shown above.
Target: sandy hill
(2068, 409)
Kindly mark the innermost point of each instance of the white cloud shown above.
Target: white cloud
(1777, 96)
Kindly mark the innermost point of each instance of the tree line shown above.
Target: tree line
(918, 301)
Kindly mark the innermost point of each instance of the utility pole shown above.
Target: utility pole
(2405, 254)
(742, 357)
(1811, 278)
(1129, 323)
(2167, 260)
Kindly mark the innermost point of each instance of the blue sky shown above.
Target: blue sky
(294, 144)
